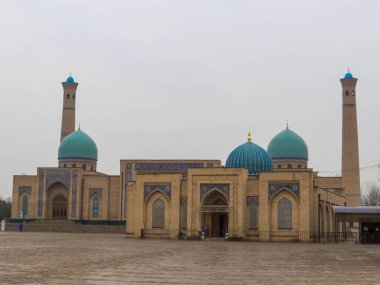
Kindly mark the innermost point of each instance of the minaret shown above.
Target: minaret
(68, 112)
(350, 148)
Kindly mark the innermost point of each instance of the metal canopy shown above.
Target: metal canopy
(356, 210)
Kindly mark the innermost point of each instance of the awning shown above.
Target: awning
(356, 210)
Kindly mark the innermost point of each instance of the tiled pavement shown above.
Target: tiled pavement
(67, 258)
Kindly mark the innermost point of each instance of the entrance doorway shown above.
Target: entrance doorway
(59, 208)
(370, 233)
(218, 224)
(215, 215)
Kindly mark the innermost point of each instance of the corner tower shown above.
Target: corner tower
(68, 112)
(350, 145)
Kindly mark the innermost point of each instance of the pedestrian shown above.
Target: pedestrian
(21, 226)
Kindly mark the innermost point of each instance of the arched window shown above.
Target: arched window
(73, 96)
(74, 165)
(279, 166)
(299, 165)
(67, 96)
(158, 214)
(253, 211)
(84, 166)
(347, 93)
(25, 205)
(289, 166)
(284, 214)
(64, 165)
(95, 207)
(353, 93)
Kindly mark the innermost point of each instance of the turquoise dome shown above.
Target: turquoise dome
(348, 75)
(78, 146)
(70, 79)
(288, 145)
(250, 155)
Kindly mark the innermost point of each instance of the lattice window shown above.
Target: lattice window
(158, 214)
(95, 207)
(253, 210)
(25, 205)
(284, 214)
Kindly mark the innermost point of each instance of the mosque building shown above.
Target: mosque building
(258, 192)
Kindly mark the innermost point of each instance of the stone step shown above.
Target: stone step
(67, 228)
(52, 222)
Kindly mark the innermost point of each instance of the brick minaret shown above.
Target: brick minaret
(68, 112)
(350, 148)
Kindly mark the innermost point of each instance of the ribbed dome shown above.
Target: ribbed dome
(78, 146)
(251, 156)
(288, 145)
(70, 79)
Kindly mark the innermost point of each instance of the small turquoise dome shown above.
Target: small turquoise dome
(348, 75)
(250, 155)
(288, 145)
(78, 146)
(70, 79)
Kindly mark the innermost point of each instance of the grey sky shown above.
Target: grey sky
(185, 79)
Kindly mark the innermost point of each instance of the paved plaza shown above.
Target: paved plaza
(67, 258)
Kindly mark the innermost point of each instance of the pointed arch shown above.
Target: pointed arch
(155, 192)
(213, 195)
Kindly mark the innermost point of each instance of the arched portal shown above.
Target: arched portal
(215, 214)
(59, 208)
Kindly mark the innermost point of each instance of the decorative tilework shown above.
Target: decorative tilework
(128, 178)
(167, 166)
(183, 201)
(74, 197)
(40, 195)
(274, 188)
(149, 189)
(57, 172)
(252, 200)
(224, 188)
(97, 191)
(24, 189)
(51, 179)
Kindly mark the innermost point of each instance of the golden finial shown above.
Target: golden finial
(79, 126)
(287, 124)
(348, 69)
(249, 136)
(70, 73)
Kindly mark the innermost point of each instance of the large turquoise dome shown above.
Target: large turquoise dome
(78, 146)
(287, 145)
(250, 155)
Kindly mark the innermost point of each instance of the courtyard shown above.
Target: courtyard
(67, 258)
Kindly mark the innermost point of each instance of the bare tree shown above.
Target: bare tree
(371, 197)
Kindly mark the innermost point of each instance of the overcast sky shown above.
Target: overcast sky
(186, 79)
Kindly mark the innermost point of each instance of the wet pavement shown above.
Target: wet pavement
(68, 258)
